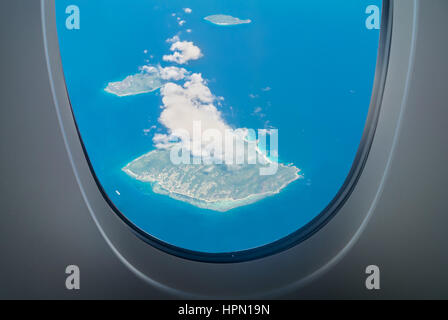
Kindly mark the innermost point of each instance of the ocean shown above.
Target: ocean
(305, 68)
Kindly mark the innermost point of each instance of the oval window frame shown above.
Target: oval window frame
(316, 224)
(277, 274)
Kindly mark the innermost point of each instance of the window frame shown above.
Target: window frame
(321, 219)
(278, 274)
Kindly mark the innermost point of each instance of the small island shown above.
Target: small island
(217, 187)
(225, 20)
(150, 78)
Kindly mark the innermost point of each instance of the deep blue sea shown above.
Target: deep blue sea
(304, 67)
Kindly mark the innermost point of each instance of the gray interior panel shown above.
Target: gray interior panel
(53, 214)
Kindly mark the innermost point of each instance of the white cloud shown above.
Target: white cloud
(149, 79)
(173, 73)
(148, 130)
(258, 111)
(167, 73)
(188, 10)
(173, 39)
(161, 141)
(184, 107)
(189, 112)
(188, 103)
(182, 22)
(183, 51)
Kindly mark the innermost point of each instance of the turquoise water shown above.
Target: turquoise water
(303, 67)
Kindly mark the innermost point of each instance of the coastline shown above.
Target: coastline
(129, 94)
(221, 205)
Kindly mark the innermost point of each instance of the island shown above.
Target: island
(217, 187)
(150, 78)
(225, 20)
(135, 84)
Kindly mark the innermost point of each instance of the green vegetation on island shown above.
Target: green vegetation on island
(217, 187)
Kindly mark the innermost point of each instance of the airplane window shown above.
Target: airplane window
(219, 128)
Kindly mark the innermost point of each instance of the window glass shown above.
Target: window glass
(220, 126)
